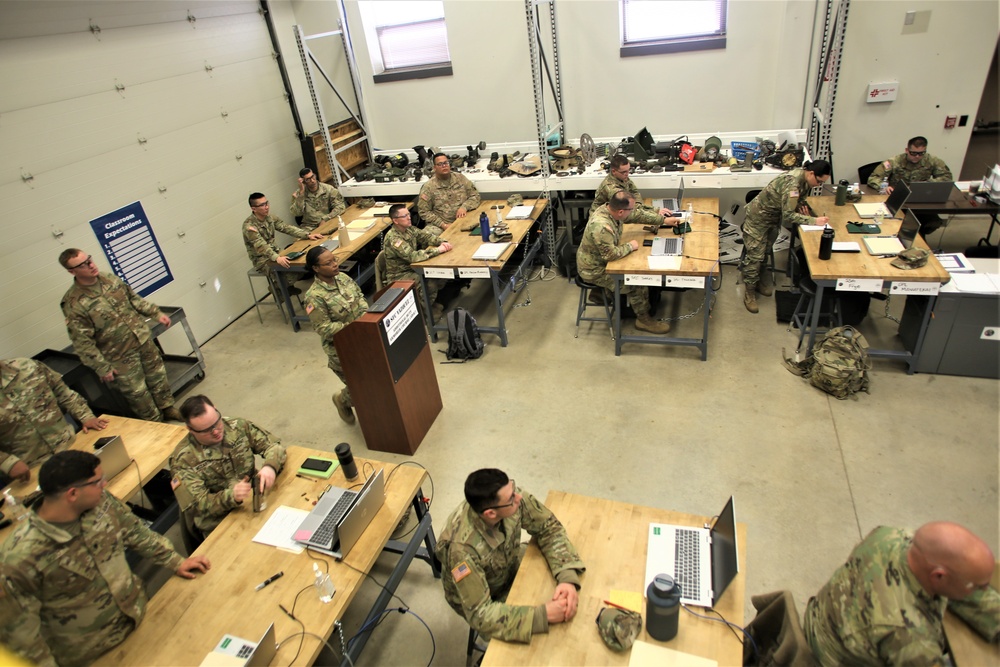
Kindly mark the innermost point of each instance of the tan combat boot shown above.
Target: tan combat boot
(750, 298)
(647, 323)
(345, 412)
(764, 290)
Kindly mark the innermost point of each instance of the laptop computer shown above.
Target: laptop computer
(114, 457)
(237, 652)
(703, 561)
(893, 203)
(341, 516)
(930, 192)
(890, 246)
(330, 244)
(667, 245)
(674, 204)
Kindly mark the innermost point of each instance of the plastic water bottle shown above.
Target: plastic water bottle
(324, 587)
(884, 186)
(690, 213)
(499, 215)
(14, 508)
(484, 226)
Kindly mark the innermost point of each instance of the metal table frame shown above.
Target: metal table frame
(700, 343)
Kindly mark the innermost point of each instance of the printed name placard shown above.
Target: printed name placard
(859, 284)
(684, 281)
(474, 272)
(643, 279)
(438, 272)
(927, 289)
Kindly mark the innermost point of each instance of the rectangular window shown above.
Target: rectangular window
(671, 26)
(407, 40)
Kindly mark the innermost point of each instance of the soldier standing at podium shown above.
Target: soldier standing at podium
(332, 302)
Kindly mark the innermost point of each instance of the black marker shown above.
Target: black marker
(269, 580)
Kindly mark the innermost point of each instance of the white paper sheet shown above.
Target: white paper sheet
(279, 528)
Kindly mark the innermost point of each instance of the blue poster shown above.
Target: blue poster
(132, 250)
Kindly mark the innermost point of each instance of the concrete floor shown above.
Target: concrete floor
(656, 426)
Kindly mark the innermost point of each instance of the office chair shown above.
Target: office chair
(865, 170)
(380, 270)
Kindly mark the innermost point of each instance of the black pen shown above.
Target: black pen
(269, 580)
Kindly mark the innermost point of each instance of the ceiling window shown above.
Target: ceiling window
(406, 40)
(669, 26)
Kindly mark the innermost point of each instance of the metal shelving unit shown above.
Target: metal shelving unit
(821, 124)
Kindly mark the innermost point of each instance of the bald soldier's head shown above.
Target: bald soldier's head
(949, 560)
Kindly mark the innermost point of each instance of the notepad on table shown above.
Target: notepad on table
(490, 250)
(520, 212)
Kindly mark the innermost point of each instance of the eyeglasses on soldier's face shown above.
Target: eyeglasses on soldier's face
(261, 204)
(214, 427)
(82, 485)
(916, 153)
(513, 499)
(401, 216)
(87, 262)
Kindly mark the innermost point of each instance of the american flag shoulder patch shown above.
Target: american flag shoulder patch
(460, 571)
(310, 308)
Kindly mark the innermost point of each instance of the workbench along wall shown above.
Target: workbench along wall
(198, 121)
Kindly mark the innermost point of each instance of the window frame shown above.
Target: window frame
(679, 44)
(373, 33)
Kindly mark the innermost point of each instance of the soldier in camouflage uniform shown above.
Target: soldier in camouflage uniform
(66, 571)
(316, 202)
(915, 165)
(782, 202)
(212, 469)
(258, 236)
(104, 317)
(618, 180)
(885, 605)
(480, 551)
(446, 197)
(403, 245)
(332, 302)
(601, 243)
(32, 400)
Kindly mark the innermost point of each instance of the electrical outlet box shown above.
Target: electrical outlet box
(950, 122)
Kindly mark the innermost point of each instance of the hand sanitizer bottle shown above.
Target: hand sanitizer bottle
(324, 587)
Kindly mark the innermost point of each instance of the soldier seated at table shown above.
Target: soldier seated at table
(212, 469)
(446, 197)
(404, 245)
(480, 551)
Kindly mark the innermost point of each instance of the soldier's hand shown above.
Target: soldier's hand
(888, 189)
(110, 377)
(164, 320)
(822, 220)
(634, 244)
(283, 261)
(189, 566)
(555, 611)
(444, 247)
(666, 212)
(267, 475)
(20, 471)
(302, 187)
(96, 423)
(567, 593)
(316, 237)
(242, 490)
(460, 213)
(670, 221)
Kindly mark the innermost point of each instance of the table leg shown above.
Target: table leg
(814, 320)
(989, 233)
(426, 553)
(498, 300)
(618, 315)
(428, 313)
(708, 304)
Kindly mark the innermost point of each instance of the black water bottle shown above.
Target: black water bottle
(346, 458)
(663, 603)
(826, 243)
(484, 226)
(841, 193)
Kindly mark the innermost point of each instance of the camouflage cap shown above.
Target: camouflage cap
(619, 628)
(911, 258)
(515, 200)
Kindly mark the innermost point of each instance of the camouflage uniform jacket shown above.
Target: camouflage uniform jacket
(643, 215)
(778, 203)
(333, 307)
(873, 611)
(440, 200)
(318, 207)
(405, 247)
(77, 595)
(32, 400)
(208, 474)
(900, 168)
(601, 243)
(479, 564)
(258, 237)
(105, 321)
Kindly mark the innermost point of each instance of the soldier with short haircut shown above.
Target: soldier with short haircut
(601, 243)
(315, 202)
(212, 469)
(258, 237)
(106, 322)
(65, 571)
(32, 400)
(618, 180)
(914, 165)
(885, 605)
(446, 197)
(480, 550)
(405, 244)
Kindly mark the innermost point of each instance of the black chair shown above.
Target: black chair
(586, 289)
(865, 170)
(802, 317)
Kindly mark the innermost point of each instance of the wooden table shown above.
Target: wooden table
(968, 648)
(832, 273)
(699, 263)
(458, 263)
(150, 445)
(611, 537)
(329, 229)
(187, 618)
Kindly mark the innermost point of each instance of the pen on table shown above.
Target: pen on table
(269, 580)
(609, 602)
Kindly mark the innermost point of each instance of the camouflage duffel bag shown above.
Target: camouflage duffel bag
(839, 363)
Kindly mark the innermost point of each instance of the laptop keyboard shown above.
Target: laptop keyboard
(324, 534)
(245, 651)
(687, 568)
(670, 246)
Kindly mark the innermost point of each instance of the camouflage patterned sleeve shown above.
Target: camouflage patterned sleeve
(266, 445)
(335, 202)
(428, 239)
(68, 400)
(20, 613)
(883, 170)
(260, 245)
(789, 210)
(291, 230)
(981, 611)
(319, 316)
(82, 333)
(644, 215)
(298, 206)
(205, 503)
(472, 197)
(908, 649)
(407, 253)
(562, 557)
(605, 240)
(425, 207)
(147, 308)
(940, 170)
(142, 539)
(490, 617)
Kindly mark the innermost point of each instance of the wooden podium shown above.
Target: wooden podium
(387, 362)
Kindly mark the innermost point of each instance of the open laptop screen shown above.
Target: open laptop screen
(725, 556)
(894, 202)
(909, 229)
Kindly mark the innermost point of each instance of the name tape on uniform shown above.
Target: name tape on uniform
(684, 281)
(859, 284)
(643, 279)
(438, 272)
(474, 272)
(927, 289)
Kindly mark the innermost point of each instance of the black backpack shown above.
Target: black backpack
(464, 341)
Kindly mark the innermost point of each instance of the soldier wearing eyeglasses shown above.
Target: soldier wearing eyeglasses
(618, 180)
(314, 201)
(213, 467)
(106, 321)
(914, 165)
(480, 550)
(446, 197)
